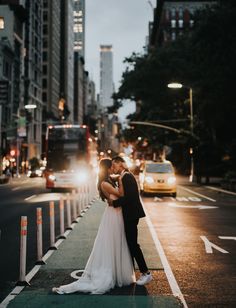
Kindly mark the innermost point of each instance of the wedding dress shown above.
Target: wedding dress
(110, 263)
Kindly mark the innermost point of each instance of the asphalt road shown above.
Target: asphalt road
(13, 205)
(197, 232)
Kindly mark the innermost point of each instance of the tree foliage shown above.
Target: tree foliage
(204, 60)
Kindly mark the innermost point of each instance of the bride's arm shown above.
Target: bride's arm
(108, 189)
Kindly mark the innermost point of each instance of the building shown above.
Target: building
(51, 59)
(67, 58)
(173, 18)
(79, 27)
(106, 76)
(80, 78)
(33, 76)
(12, 19)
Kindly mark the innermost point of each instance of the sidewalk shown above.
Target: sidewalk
(72, 255)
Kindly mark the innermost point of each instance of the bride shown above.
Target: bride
(110, 263)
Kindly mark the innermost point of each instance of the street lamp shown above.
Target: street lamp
(177, 85)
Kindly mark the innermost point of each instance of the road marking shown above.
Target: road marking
(200, 206)
(209, 245)
(182, 199)
(222, 190)
(16, 188)
(31, 197)
(197, 194)
(169, 274)
(227, 238)
(74, 274)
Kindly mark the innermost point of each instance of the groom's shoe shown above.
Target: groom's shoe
(144, 279)
(58, 291)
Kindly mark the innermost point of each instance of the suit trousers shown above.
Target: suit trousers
(131, 231)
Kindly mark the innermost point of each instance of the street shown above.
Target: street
(196, 230)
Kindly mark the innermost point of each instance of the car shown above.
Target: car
(157, 177)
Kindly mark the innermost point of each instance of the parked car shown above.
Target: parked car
(158, 177)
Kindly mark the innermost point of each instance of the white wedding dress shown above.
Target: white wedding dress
(110, 263)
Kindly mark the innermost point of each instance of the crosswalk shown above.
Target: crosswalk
(177, 199)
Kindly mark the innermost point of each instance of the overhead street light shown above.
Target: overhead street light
(177, 85)
(30, 106)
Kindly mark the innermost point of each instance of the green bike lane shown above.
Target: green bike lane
(67, 263)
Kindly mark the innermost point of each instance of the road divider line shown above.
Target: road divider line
(221, 190)
(197, 194)
(169, 274)
(31, 197)
(16, 188)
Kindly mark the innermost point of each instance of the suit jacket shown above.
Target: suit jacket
(131, 205)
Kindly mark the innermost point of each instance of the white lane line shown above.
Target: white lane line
(31, 197)
(197, 194)
(169, 274)
(16, 188)
(222, 190)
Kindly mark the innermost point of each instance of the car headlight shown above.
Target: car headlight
(149, 179)
(82, 177)
(171, 180)
(52, 177)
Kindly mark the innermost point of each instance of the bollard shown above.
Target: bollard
(74, 210)
(68, 212)
(79, 207)
(23, 243)
(52, 226)
(39, 221)
(62, 224)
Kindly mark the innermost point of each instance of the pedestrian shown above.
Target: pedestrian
(132, 211)
(110, 262)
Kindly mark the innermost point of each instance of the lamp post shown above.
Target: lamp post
(177, 85)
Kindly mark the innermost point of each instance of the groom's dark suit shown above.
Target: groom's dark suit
(132, 210)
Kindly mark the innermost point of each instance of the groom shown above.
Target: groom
(132, 210)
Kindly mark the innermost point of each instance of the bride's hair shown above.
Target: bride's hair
(103, 174)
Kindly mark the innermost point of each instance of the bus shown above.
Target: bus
(70, 154)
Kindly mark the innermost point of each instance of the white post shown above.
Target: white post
(68, 212)
(39, 222)
(74, 206)
(52, 225)
(23, 243)
(62, 218)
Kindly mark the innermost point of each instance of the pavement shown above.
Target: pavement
(66, 263)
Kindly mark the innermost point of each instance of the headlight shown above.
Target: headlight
(149, 179)
(171, 180)
(82, 177)
(52, 177)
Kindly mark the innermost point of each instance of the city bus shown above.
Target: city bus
(70, 154)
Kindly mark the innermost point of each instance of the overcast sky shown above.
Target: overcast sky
(121, 23)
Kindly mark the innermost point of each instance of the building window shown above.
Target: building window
(181, 23)
(173, 36)
(1, 23)
(191, 23)
(173, 23)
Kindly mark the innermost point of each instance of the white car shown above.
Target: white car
(158, 177)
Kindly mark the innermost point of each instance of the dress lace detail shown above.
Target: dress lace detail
(109, 264)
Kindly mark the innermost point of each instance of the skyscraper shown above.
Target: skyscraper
(106, 76)
(79, 26)
(51, 57)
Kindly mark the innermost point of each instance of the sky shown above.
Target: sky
(121, 23)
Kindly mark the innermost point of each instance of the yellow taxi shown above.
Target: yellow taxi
(158, 177)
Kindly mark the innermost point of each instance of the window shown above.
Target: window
(1, 23)
(173, 23)
(181, 23)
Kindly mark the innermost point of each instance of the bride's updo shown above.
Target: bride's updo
(103, 174)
